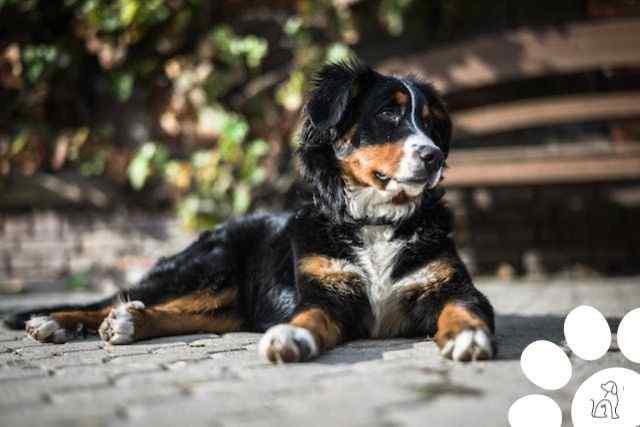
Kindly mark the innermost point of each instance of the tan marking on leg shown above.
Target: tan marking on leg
(201, 311)
(152, 323)
(360, 166)
(419, 285)
(429, 278)
(331, 273)
(454, 319)
(90, 319)
(200, 301)
(315, 265)
(440, 271)
(326, 331)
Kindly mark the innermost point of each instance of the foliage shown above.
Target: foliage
(193, 97)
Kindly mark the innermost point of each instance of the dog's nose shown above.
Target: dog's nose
(431, 156)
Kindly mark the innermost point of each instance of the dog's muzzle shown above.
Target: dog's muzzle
(422, 162)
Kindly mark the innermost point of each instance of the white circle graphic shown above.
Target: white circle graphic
(535, 410)
(546, 365)
(587, 333)
(629, 335)
(608, 398)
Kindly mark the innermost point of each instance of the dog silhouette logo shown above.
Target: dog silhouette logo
(607, 407)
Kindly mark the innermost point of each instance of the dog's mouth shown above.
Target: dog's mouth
(414, 181)
(429, 180)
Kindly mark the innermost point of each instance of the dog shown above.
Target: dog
(607, 407)
(371, 256)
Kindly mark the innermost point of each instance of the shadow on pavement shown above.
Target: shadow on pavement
(515, 332)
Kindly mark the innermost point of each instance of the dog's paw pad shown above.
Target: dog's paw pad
(287, 344)
(47, 329)
(469, 344)
(119, 326)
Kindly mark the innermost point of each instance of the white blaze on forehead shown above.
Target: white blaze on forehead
(414, 102)
(418, 139)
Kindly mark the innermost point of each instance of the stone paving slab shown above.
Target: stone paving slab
(218, 380)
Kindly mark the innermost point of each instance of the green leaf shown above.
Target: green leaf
(338, 52)
(241, 199)
(138, 172)
(290, 94)
(123, 85)
(293, 26)
(140, 167)
(96, 164)
(257, 176)
(391, 13)
(128, 10)
(37, 58)
(257, 148)
(232, 48)
(235, 129)
(255, 49)
(20, 141)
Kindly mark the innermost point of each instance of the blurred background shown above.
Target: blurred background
(128, 125)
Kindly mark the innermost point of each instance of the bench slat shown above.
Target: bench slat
(526, 53)
(543, 151)
(546, 111)
(551, 170)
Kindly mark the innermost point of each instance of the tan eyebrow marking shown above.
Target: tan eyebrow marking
(401, 97)
(425, 112)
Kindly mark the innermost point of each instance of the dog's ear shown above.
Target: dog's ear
(333, 103)
(335, 86)
(442, 126)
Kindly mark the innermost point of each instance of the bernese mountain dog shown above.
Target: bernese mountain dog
(371, 256)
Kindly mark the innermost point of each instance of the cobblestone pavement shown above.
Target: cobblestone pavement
(211, 380)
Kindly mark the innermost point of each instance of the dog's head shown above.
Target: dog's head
(609, 387)
(372, 145)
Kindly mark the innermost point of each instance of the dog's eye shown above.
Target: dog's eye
(389, 114)
(381, 177)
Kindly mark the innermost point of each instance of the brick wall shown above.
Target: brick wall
(55, 249)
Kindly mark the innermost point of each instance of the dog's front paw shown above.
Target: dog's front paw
(287, 344)
(468, 344)
(119, 326)
(47, 329)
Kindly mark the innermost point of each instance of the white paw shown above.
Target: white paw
(287, 344)
(46, 329)
(470, 344)
(119, 327)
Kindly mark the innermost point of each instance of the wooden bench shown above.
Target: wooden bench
(480, 78)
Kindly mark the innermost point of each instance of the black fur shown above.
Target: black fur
(258, 254)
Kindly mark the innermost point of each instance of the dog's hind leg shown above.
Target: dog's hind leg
(59, 324)
(200, 311)
(180, 294)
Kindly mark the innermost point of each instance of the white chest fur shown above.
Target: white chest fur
(377, 258)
